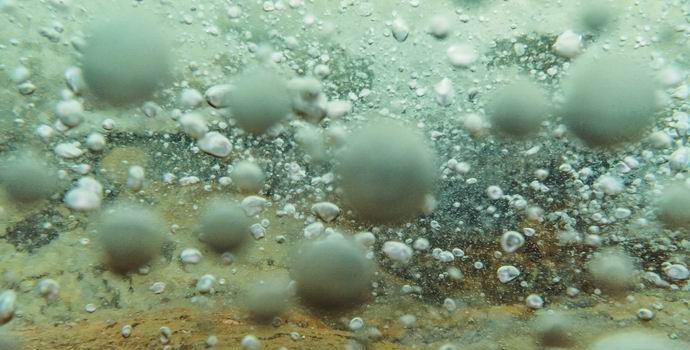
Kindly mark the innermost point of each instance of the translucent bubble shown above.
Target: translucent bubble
(225, 226)
(259, 100)
(518, 109)
(267, 299)
(386, 171)
(131, 237)
(332, 274)
(609, 101)
(125, 59)
(674, 206)
(248, 176)
(613, 270)
(553, 329)
(26, 179)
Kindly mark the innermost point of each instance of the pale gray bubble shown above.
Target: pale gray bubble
(517, 110)
(224, 226)
(386, 171)
(674, 206)
(131, 236)
(553, 329)
(27, 179)
(613, 270)
(125, 59)
(332, 274)
(260, 99)
(609, 101)
(267, 299)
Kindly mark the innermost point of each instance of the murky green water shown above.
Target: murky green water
(355, 174)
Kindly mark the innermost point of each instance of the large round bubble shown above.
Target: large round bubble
(674, 206)
(224, 226)
(332, 274)
(27, 179)
(518, 109)
(259, 100)
(267, 299)
(609, 101)
(125, 59)
(386, 172)
(131, 237)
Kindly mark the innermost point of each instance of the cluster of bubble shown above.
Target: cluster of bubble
(386, 172)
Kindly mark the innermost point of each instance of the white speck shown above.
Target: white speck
(398, 251)
(218, 95)
(68, 150)
(234, 12)
(190, 256)
(90, 308)
(75, 80)
(215, 144)
(444, 92)
(326, 211)
(338, 109)
(187, 180)
(20, 75)
(534, 301)
(461, 55)
(645, 314)
(205, 284)
(356, 324)
(194, 125)
(126, 331)
(157, 287)
(191, 98)
(314, 230)
(677, 272)
(82, 199)
(135, 178)
(400, 29)
(44, 131)
(253, 205)
(95, 142)
(568, 44)
(494, 192)
(257, 231)
(440, 26)
(507, 273)
(250, 342)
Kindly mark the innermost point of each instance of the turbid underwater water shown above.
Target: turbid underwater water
(345, 174)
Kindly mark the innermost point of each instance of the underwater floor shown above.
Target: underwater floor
(350, 174)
